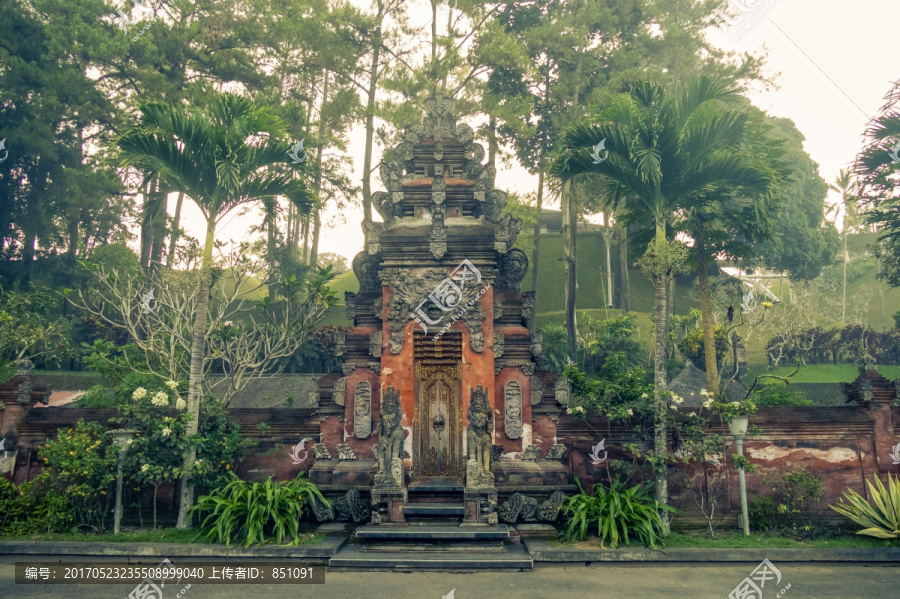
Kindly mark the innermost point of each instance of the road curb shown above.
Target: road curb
(321, 551)
(542, 551)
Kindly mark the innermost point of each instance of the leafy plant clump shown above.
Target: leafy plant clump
(881, 518)
(248, 513)
(792, 509)
(618, 514)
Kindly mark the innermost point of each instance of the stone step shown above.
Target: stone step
(434, 509)
(407, 547)
(354, 557)
(435, 487)
(433, 532)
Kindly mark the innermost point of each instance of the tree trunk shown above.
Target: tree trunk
(607, 241)
(535, 254)
(569, 235)
(270, 252)
(370, 119)
(176, 223)
(671, 301)
(624, 274)
(73, 238)
(844, 295)
(316, 212)
(660, 384)
(198, 343)
(706, 315)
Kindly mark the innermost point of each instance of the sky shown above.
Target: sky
(834, 62)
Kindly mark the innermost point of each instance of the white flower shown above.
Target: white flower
(674, 407)
(705, 393)
(166, 432)
(228, 323)
(198, 463)
(172, 385)
(160, 399)
(180, 404)
(643, 396)
(579, 410)
(708, 403)
(139, 393)
(145, 467)
(630, 412)
(677, 400)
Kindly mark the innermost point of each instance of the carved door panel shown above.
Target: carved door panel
(438, 422)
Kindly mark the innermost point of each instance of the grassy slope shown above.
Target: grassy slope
(825, 373)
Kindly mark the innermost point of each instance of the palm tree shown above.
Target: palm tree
(849, 205)
(224, 156)
(666, 147)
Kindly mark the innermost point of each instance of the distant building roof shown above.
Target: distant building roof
(271, 391)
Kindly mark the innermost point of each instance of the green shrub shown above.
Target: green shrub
(617, 512)
(692, 346)
(776, 394)
(80, 465)
(881, 518)
(249, 513)
(793, 507)
(25, 510)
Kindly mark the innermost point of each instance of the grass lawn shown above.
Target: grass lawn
(160, 535)
(824, 373)
(730, 539)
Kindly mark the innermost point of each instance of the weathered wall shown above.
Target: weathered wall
(844, 445)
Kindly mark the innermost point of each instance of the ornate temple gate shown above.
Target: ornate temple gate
(437, 423)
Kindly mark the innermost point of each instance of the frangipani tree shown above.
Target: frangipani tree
(222, 156)
(663, 147)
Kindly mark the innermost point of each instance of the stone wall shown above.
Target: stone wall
(844, 445)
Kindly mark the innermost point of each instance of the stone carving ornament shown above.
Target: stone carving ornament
(499, 343)
(556, 452)
(345, 452)
(362, 410)
(537, 390)
(410, 291)
(532, 453)
(512, 405)
(478, 437)
(339, 394)
(349, 507)
(375, 344)
(519, 505)
(321, 452)
(389, 450)
(562, 391)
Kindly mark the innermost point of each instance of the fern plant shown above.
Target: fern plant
(248, 513)
(617, 512)
(881, 518)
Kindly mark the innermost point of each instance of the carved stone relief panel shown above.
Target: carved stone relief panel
(562, 391)
(375, 344)
(512, 404)
(362, 410)
(499, 343)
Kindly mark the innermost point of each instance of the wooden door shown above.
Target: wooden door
(437, 426)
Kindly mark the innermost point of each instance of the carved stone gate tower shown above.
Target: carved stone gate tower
(442, 329)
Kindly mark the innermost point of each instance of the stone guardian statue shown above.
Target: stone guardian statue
(389, 450)
(478, 438)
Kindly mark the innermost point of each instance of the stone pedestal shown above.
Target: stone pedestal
(387, 505)
(354, 473)
(481, 506)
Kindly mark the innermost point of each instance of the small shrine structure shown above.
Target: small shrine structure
(445, 408)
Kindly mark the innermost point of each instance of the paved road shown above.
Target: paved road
(673, 581)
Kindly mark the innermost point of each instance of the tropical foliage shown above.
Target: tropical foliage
(257, 513)
(881, 517)
(618, 513)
